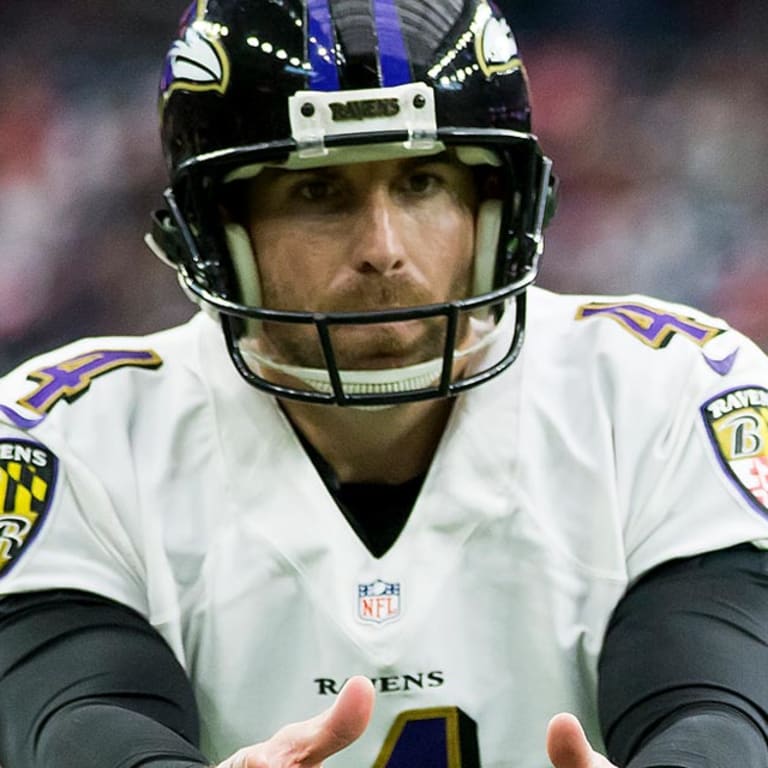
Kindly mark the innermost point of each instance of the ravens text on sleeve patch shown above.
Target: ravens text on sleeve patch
(737, 422)
(27, 479)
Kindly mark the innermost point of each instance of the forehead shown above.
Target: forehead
(365, 169)
(468, 155)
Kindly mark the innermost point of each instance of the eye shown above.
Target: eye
(316, 189)
(423, 183)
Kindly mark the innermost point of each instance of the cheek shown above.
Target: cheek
(450, 239)
(272, 247)
(288, 261)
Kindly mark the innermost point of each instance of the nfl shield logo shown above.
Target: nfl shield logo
(378, 602)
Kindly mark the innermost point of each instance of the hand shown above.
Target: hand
(567, 745)
(307, 744)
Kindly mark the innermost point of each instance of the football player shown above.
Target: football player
(348, 478)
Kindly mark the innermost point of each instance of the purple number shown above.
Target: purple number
(440, 737)
(72, 378)
(653, 327)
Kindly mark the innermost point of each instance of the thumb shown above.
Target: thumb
(312, 741)
(567, 744)
(349, 716)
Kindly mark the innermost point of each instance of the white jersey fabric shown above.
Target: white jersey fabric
(629, 432)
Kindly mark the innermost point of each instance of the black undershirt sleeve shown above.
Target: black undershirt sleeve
(684, 667)
(88, 683)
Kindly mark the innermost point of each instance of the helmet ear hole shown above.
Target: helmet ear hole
(244, 263)
(487, 231)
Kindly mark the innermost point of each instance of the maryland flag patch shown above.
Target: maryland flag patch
(27, 479)
(737, 422)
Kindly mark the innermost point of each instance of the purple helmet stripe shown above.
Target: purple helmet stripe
(322, 45)
(393, 56)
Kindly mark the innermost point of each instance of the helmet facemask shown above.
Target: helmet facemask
(479, 335)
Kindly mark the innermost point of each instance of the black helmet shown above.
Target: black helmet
(297, 83)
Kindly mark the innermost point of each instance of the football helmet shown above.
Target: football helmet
(249, 84)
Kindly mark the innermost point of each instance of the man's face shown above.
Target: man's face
(365, 236)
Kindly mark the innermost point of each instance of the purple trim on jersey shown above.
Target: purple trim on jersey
(393, 56)
(723, 367)
(18, 420)
(322, 47)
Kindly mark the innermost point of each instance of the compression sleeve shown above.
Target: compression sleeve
(684, 668)
(88, 683)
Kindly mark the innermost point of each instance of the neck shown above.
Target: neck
(381, 446)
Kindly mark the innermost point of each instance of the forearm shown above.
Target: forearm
(706, 736)
(92, 733)
(87, 683)
(682, 673)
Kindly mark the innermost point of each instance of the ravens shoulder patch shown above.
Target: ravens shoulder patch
(737, 423)
(27, 479)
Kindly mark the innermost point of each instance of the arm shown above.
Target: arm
(683, 680)
(88, 683)
(683, 676)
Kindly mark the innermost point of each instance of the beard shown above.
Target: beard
(360, 346)
(363, 345)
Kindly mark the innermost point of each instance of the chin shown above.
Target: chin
(384, 346)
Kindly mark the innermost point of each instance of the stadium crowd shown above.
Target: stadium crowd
(655, 113)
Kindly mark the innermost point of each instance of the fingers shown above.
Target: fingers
(309, 743)
(346, 720)
(568, 747)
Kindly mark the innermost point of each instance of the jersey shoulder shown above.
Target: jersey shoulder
(92, 375)
(636, 332)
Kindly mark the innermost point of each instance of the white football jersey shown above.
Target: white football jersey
(629, 432)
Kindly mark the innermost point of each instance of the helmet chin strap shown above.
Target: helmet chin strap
(380, 381)
(356, 382)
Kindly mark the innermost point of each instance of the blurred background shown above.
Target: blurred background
(655, 111)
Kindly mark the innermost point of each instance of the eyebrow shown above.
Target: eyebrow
(446, 157)
(406, 164)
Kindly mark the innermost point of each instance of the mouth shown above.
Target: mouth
(387, 345)
(377, 295)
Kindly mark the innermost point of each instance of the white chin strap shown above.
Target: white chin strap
(382, 381)
(373, 382)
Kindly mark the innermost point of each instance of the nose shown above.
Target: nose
(378, 245)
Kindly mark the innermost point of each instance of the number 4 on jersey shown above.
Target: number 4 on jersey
(440, 737)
